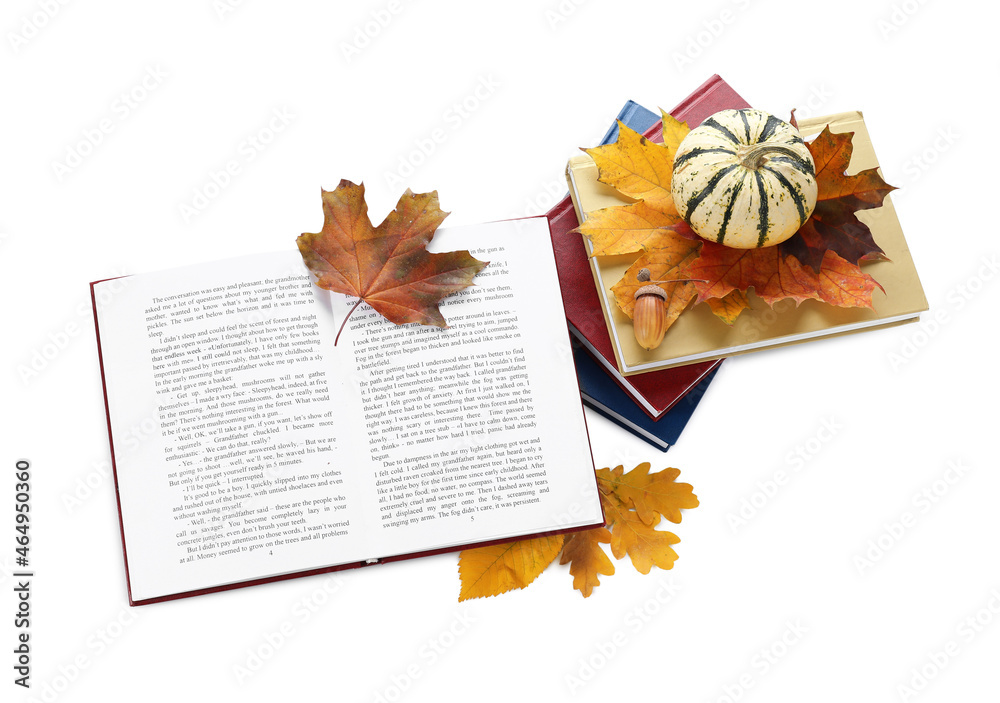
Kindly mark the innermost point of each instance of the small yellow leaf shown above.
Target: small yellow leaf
(729, 307)
(637, 168)
(586, 558)
(673, 134)
(650, 495)
(490, 571)
(646, 546)
(623, 230)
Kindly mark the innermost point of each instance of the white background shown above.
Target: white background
(551, 77)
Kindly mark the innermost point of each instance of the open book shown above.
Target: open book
(266, 452)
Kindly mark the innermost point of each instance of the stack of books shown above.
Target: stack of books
(642, 390)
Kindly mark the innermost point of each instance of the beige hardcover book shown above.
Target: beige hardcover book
(698, 335)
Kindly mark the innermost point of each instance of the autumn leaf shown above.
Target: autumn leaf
(728, 307)
(775, 277)
(490, 571)
(387, 266)
(634, 502)
(834, 226)
(639, 168)
(666, 259)
(587, 559)
(832, 153)
(626, 229)
(646, 546)
(650, 495)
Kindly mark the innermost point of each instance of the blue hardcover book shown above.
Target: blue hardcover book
(605, 396)
(635, 116)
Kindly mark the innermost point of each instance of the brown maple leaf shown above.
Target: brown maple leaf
(774, 276)
(387, 266)
(834, 225)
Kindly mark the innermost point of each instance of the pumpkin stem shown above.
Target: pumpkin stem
(753, 156)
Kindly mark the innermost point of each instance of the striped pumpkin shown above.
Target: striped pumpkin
(745, 179)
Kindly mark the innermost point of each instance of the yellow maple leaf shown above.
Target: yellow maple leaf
(626, 229)
(586, 558)
(650, 495)
(496, 569)
(637, 168)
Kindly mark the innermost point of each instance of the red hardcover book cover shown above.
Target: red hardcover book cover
(658, 391)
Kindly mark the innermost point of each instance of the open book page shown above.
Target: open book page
(267, 450)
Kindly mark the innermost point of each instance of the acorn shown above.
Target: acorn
(649, 319)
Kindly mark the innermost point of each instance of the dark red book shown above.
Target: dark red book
(658, 391)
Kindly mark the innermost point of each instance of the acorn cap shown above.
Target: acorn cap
(651, 290)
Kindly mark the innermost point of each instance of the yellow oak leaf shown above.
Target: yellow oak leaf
(646, 546)
(729, 307)
(586, 558)
(496, 569)
(650, 495)
(626, 229)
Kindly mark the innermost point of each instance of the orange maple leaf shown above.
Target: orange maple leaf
(387, 266)
(774, 276)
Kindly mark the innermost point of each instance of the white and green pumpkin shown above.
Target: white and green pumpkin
(744, 179)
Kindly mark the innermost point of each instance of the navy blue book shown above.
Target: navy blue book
(601, 393)
(635, 117)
